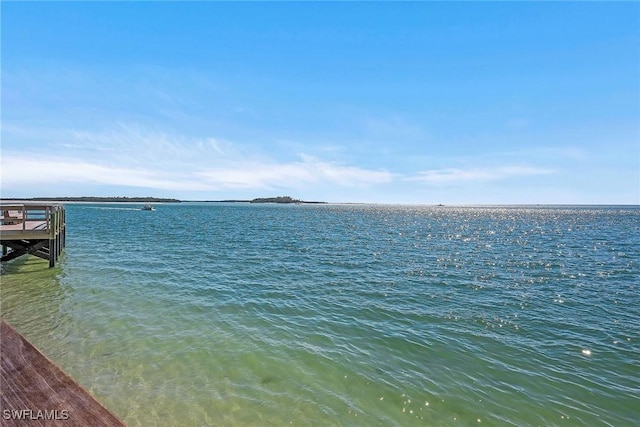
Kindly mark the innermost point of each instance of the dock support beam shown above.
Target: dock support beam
(52, 253)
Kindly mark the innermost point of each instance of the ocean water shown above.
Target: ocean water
(343, 315)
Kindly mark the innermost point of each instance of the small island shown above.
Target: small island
(279, 199)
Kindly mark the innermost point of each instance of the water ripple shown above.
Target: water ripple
(223, 314)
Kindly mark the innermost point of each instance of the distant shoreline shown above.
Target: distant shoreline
(91, 199)
(94, 199)
(287, 200)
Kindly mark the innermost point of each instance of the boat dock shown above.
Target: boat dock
(36, 229)
(36, 392)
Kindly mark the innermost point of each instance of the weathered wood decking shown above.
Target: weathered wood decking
(35, 392)
(38, 230)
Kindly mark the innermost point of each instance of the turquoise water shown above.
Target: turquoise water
(343, 315)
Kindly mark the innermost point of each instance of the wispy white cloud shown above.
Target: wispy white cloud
(295, 174)
(134, 157)
(20, 170)
(455, 175)
(130, 156)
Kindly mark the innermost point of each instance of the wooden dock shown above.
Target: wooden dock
(35, 392)
(38, 229)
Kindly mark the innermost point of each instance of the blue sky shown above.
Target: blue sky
(433, 102)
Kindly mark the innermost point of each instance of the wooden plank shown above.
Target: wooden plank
(28, 230)
(35, 392)
(29, 225)
(28, 235)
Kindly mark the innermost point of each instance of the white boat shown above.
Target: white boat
(148, 207)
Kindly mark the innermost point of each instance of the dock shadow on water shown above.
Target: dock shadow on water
(246, 315)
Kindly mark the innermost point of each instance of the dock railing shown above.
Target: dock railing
(27, 215)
